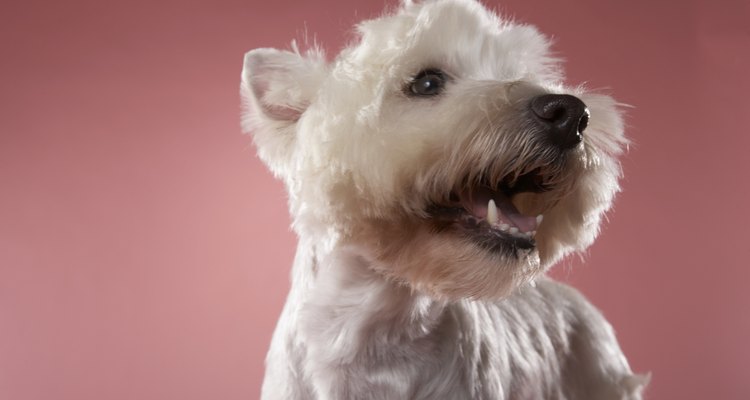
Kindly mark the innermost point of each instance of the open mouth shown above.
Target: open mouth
(490, 213)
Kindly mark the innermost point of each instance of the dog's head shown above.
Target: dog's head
(442, 144)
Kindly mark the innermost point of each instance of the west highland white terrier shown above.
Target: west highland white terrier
(436, 169)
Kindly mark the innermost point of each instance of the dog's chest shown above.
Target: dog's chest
(465, 350)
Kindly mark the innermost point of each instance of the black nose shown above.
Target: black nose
(564, 116)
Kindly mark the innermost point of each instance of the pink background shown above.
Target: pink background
(144, 250)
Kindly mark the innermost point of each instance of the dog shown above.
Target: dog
(436, 168)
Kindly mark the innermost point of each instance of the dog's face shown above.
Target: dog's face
(442, 145)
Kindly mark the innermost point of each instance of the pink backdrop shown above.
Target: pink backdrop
(144, 250)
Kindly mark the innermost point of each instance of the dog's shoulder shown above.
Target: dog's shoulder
(570, 338)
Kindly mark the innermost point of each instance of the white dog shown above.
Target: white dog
(436, 169)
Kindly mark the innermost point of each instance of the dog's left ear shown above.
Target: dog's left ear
(277, 87)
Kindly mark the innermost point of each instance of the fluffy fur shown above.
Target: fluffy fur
(390, 301)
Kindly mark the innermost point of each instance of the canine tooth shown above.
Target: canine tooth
(539, 219)
(492, 217)
(513, 230)
(504, 227)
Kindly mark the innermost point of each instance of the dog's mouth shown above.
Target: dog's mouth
(490, 213)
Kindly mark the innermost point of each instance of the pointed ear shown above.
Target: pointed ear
(279, 83)
(277, 87)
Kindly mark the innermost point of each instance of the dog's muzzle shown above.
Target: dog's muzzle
(564, 118)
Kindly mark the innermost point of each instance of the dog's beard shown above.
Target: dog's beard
(445, 263)
(456, 245)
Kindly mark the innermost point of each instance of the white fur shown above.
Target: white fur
(384, 307)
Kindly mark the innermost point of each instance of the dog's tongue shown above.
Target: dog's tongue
(476, 202)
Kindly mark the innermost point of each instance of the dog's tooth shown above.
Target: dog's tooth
(513, 230)
(492, 217)
(539, 219)
(504, 227)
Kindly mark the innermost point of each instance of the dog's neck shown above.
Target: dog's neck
(345, 305)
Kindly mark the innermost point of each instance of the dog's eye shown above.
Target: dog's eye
(429, 82)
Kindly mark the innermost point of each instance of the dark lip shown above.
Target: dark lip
(495, 242)
(460, 221)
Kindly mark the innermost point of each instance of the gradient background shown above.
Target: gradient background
(144, 249)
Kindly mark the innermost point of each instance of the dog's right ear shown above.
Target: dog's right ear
(277, 87)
